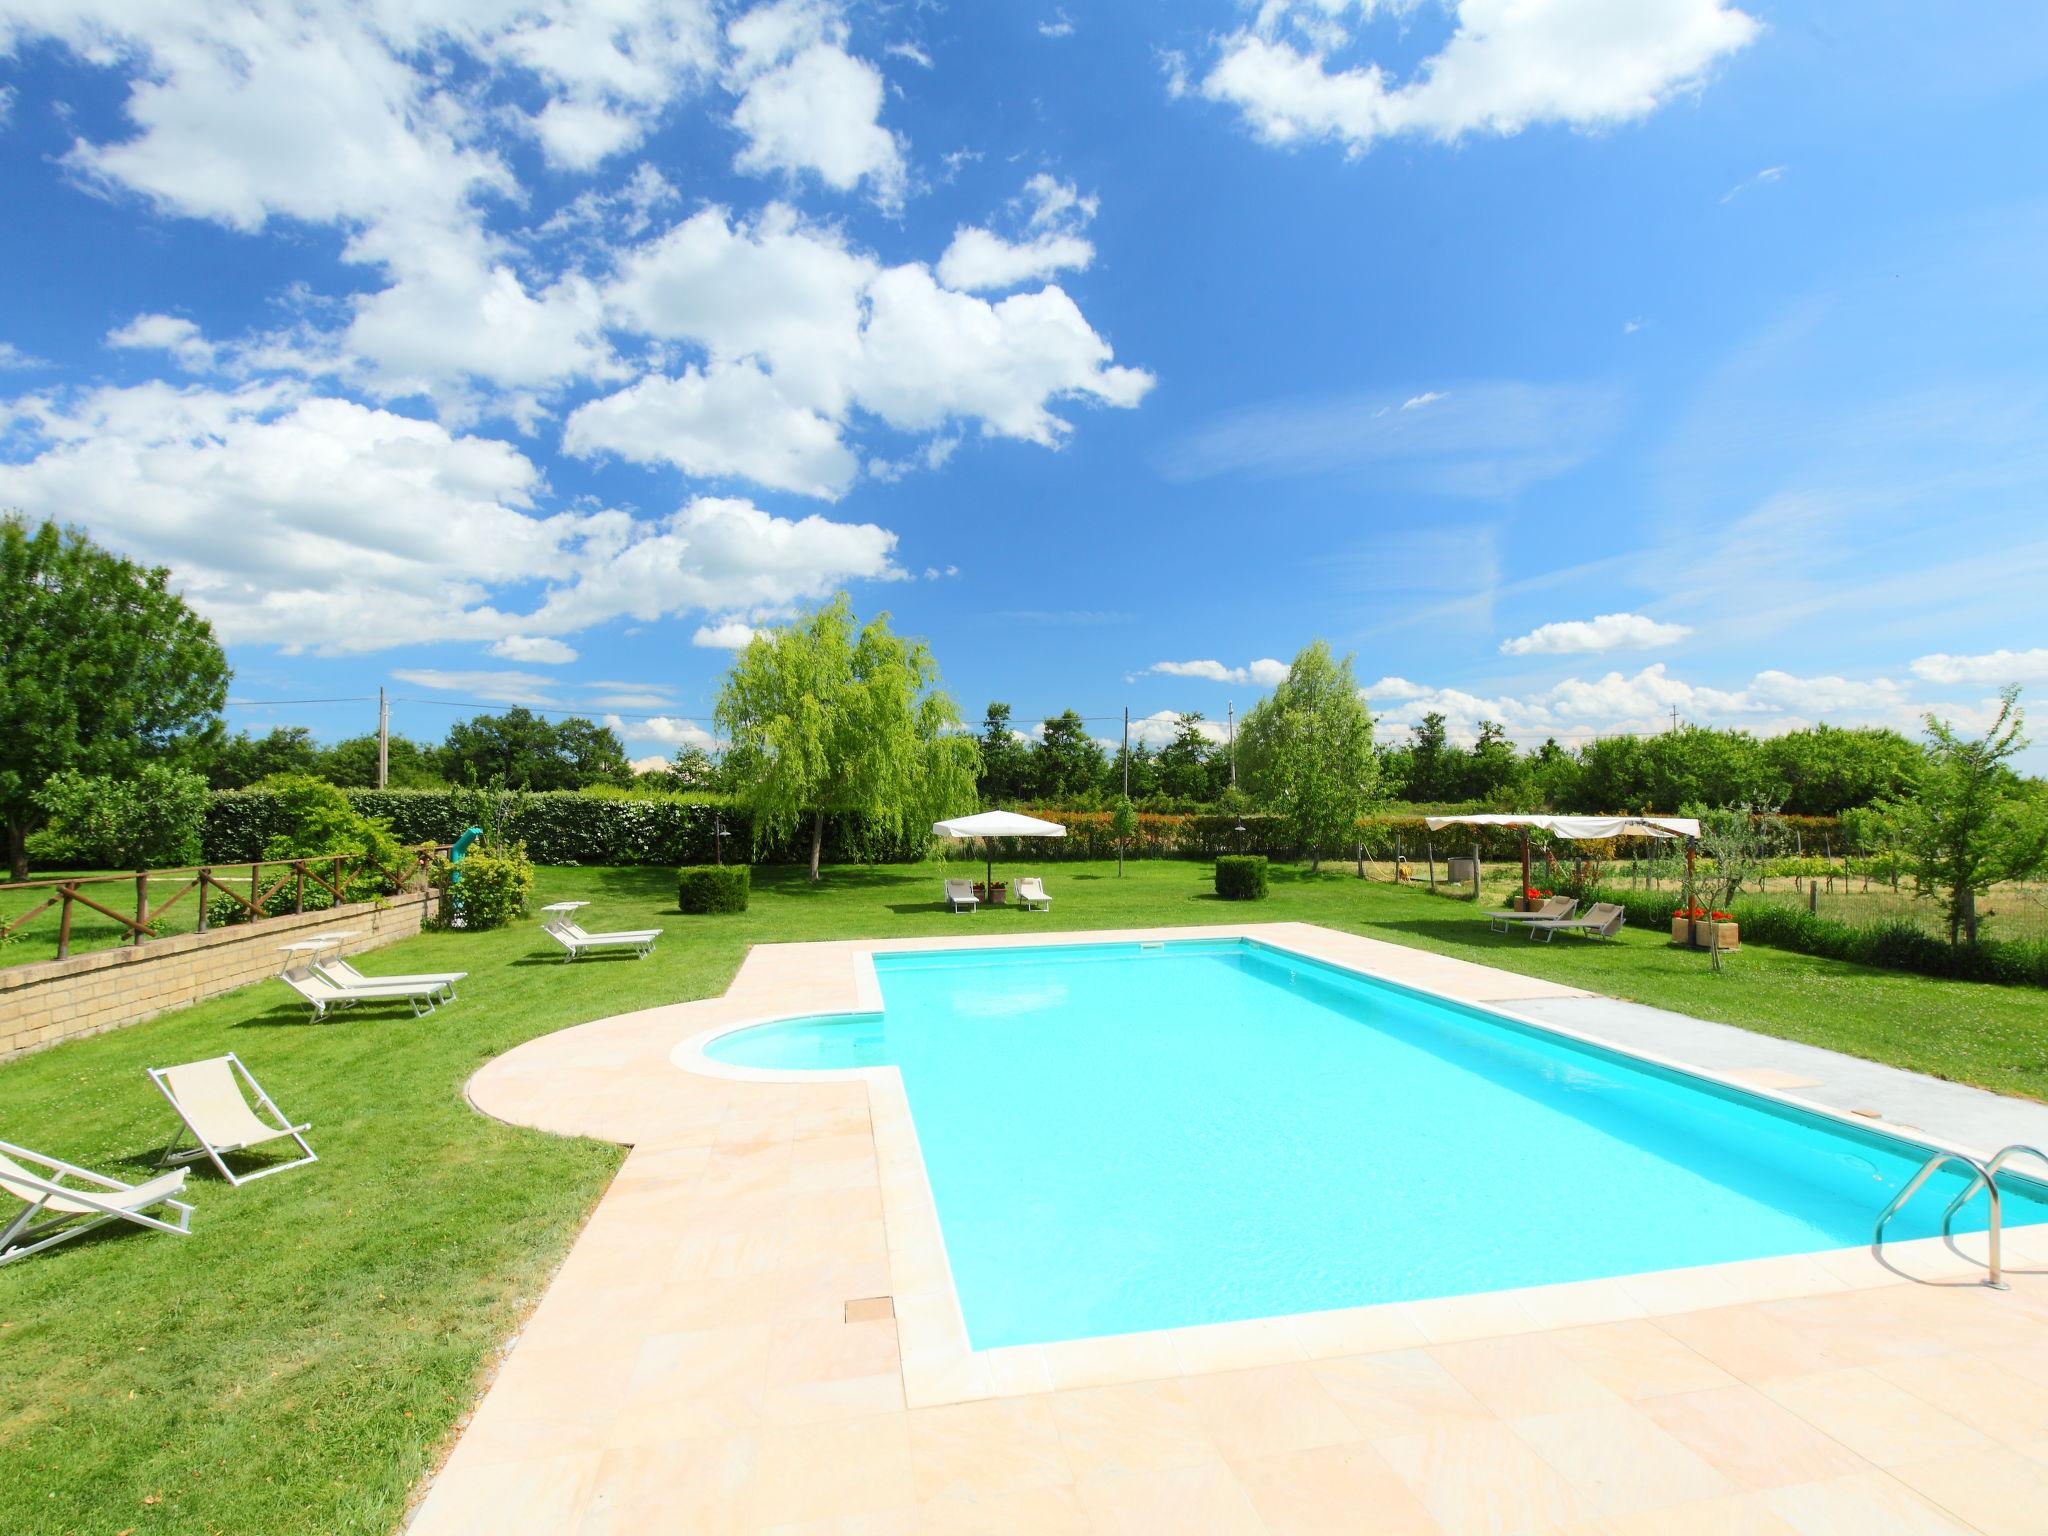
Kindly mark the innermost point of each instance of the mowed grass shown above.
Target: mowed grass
(296, 1364)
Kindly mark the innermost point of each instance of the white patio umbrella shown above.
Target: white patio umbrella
(990, 824)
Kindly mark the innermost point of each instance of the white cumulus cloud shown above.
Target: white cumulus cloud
(1264, 672)
(544, 650)
(1994, 667)
(807, 106)
(668, 730)
(726, 635)
(174, 334)
(1608, 632)
(1053, 213)
(1298, 72)
(311, 522)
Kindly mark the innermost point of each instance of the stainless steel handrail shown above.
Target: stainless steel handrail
(1998, 1160)
(1986, 1177)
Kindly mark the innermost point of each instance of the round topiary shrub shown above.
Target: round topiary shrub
(712, 888)
(1241, 876)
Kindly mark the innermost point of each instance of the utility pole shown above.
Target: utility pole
(1127, 751)
(1230, 707)
(383, 740)
(1674, 718)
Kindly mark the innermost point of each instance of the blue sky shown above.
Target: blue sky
(1571, 363)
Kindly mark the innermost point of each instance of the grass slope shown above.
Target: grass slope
(293, 1365)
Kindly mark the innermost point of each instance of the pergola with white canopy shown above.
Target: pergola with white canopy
(992, 824)
(1578, 829)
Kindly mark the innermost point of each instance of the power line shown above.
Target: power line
(368, 698)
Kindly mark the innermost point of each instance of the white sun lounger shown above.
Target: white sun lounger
(324, 994)
(342, 974)
(54, 1211)
(568, 933)
(1555, 908)
(960, 896)
(208, 1098)
(1031, 895)
(1603, 920)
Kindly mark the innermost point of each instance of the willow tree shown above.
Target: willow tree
(836, 717)
(1305, 753)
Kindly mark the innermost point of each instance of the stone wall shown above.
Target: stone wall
(86, 994)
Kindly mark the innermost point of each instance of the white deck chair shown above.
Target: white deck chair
(54, 1212)
(342, 974)
(1031, 895)
(208, 1097)
(960, 896)
(324, 994)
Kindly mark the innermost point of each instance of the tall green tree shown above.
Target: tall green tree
(1826, 770)
(1066, 764)
(1184, 762)
(151, 819)
(1971, 822)
(1005, 761)
(352, 763)
(102, 668)
(833, 716)
(1305, 752)
(529, 751)
(241, 759)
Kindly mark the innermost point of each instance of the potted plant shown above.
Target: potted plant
(992, 894)
(1697, 927)
(1532, 899)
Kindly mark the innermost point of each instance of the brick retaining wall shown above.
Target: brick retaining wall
(86, 994)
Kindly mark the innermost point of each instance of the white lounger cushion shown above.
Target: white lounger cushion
(342, 974)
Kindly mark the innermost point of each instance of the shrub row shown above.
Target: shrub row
(1896, 944)
(558, 827)
(712, 888)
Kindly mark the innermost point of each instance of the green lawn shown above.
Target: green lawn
(295, 1363)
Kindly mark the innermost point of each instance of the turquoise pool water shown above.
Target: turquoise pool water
(1123, 1138)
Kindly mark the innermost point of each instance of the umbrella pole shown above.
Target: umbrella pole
(988, 869)
(1525, 865)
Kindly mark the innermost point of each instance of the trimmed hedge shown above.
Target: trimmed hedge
(560, 827)
(1895, 945)
(1241, 876)
(712, 888)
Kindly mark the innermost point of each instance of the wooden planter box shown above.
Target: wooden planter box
(1528, 904)
(1698, 932)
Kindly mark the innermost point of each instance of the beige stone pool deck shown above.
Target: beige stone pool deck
(757, 1333)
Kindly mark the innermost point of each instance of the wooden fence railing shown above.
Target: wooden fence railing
(331, 873)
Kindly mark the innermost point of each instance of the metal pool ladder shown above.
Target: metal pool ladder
(1985, 1178)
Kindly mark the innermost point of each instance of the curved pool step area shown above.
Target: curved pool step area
(757, 1331)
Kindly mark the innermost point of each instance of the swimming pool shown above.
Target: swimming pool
(1124, 1137)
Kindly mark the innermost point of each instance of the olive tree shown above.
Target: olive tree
(830, 716)
(1305, 753)
(1970, 821)
(102, 668)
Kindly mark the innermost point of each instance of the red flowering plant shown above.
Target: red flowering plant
(1530, 893)
(1701, 914)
